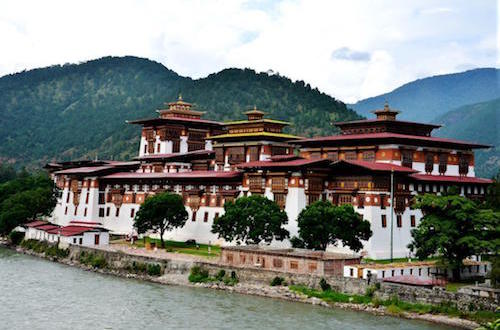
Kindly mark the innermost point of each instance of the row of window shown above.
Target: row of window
(399, 220)
(205, 216)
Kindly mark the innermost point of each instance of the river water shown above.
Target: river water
(38, 294)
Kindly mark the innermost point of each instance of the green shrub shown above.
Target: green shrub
(277, 281)
(198, 275)
(94, 260)
(370, 291)
(233, 275)
(154, 269)
(51, 250)
(220, 275)
(16, 237)
(324, 285)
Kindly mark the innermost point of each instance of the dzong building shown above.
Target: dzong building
(210, 163)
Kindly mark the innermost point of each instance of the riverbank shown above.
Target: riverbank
(175, 272)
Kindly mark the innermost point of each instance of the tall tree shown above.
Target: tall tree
(25, 198)
(161, 213)
(251, 220)
(454, 228)
(323, 223)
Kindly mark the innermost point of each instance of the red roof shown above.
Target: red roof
(179, 119)
(84, 170)
(36, 223)
(179, 175)
(77, 230)
(284, 157)
(290, 163)
(48, 227)
(386, 135)
(375, 166)
(449, 178)
(375, 120)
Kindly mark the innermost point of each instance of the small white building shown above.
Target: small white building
(76, 233)
(419, 272)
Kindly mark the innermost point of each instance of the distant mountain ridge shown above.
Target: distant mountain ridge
(79, 110)
(479, 123)
(426, 99)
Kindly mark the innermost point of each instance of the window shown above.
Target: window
(81, 240)
(412, 220)
(399, 221)
(107, 211)
(429, 163)
(255, 183)
(463, 165)
(66, 210)
(117, 213)
(312, 266)
(351, 155)
(74, 240)
(383, 273)
(294, 265)
(277, 262)
(87, 198)
(333, 156)
(369, 156)
(176, 146)
(402, 271)
(219, 155)
(384, 221)
(254, 153)
(420, 272)
(205, 217)
(96, 239)
(67, 198)
(361, 201)
(345, 199)
(193, 217)
(311, 198)
(280, 199)
(411, 271)
(407, 158)
(443, 159)
(382, 201)
(76, 210)
(392, 272)
(85, 212)
(158, 148)
(145, 148)
(351, 272)
(216, 215)
(132, 213)
(101, 212)
(102, 196)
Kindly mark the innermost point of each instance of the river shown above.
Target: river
(38, 294)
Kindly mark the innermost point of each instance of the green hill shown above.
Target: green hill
(425, 99)
(79, 110)
(476, 122)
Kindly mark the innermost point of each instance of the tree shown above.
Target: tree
(25, 198)
(251, 220)
(455, 228)
(323, 223)
(493, 194)
(161, 213)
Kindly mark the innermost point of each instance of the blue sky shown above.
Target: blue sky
(349, 49)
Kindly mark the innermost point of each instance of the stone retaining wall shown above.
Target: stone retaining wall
(436, 296)
(119, 261)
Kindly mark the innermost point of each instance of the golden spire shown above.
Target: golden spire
(180, 97)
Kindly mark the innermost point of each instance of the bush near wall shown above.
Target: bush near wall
(50, 250)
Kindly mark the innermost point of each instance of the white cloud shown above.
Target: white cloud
(393, 41)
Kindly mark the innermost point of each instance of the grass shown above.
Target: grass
(201, 275)
(396, 306)
(454, 286)
(181, 247)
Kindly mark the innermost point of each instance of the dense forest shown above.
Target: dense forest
(79, 110)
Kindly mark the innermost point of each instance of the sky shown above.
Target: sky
(348, 49)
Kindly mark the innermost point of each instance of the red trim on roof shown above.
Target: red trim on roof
(179, 175)
(375, 166)
(36, 223)
(387, 135)
(449, 178)
(375, 120)
(160, 120)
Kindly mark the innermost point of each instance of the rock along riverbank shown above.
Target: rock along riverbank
(250, 288)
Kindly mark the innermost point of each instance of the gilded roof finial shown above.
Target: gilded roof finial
(254, 107)
(386, 106)
(180, 96)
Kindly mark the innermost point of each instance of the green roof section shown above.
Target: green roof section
(263, 134)
(272, 121)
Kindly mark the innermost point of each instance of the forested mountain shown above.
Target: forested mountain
(425, 99)
(477, 122)
(79, 110)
